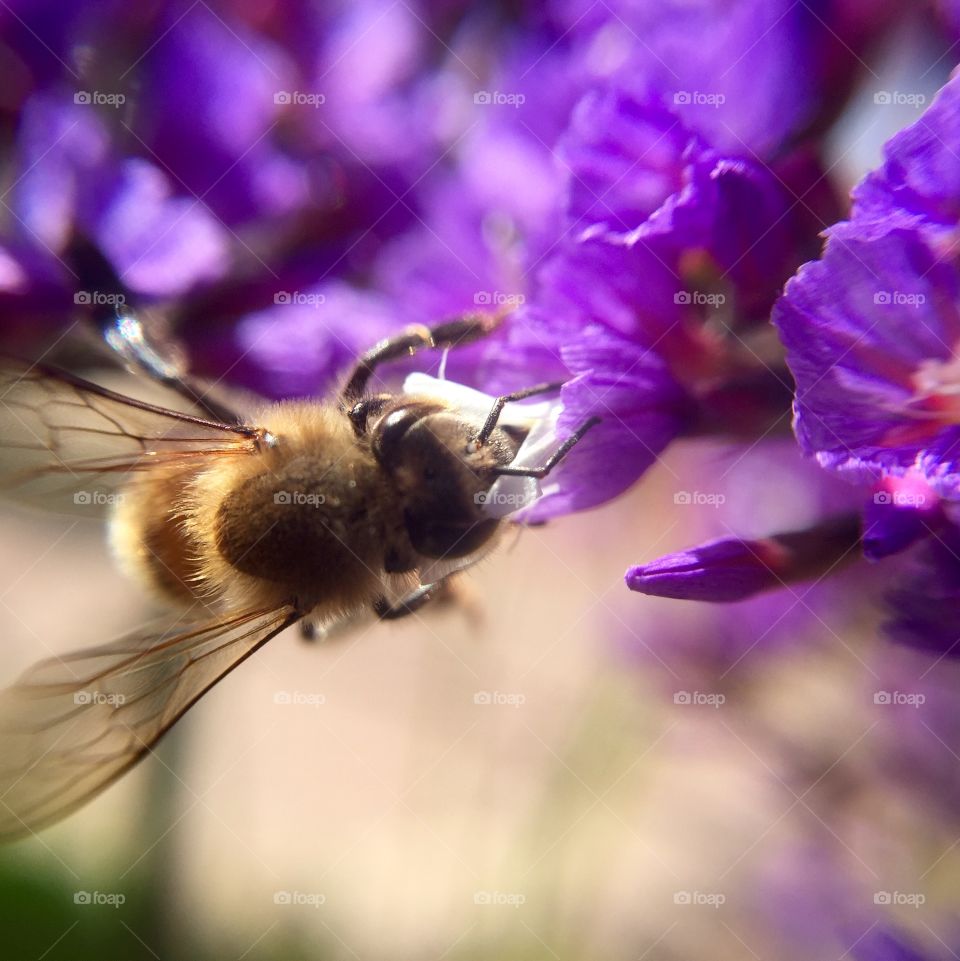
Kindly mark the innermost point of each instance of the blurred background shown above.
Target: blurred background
(562, 770)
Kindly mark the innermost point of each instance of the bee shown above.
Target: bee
(306, 512)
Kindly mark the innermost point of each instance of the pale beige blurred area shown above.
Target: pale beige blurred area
(428, 790)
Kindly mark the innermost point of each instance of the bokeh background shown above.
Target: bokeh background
(561, 769)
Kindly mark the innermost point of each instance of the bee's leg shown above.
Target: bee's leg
(491, 422)
(453, 333)
(555, 457)
(410, 604)
(126, 333)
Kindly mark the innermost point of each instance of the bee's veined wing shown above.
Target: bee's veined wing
(72, 725)
(66, 444)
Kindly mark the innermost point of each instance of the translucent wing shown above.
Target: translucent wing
(66, 444)
(70, 726)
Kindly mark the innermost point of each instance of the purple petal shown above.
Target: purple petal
(636, 172)
(210, 94)
(919, 182)
(160, 245)
(734, 569)
(64, 149)
(625, 158)
(870, 332)
(740, 94)
(724, 570)
(641, 409)
(630, 289)
(303, 343)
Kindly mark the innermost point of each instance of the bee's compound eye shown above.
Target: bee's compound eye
(390, 433)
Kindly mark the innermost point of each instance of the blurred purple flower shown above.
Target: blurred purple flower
(901, 511)
(75, 180)
(925, 604)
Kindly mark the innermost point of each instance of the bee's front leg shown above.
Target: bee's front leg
(452, 333)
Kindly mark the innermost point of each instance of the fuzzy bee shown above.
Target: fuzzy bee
(305, 512)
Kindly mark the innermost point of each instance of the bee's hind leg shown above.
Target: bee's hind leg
(451, 592)
(410, 604)
(383, 610)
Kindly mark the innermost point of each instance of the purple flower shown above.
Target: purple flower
(871, 328)
(871, 332)
(602, 260)
(733, 569)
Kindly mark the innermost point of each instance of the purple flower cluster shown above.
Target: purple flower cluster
(871, 332)
(297, 182)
